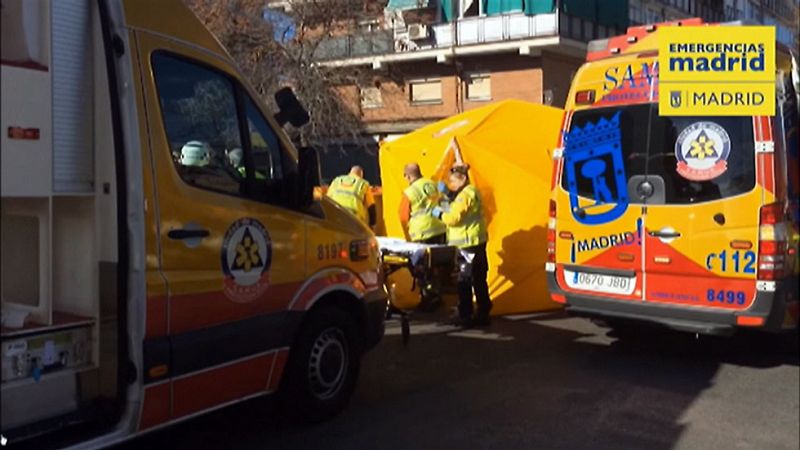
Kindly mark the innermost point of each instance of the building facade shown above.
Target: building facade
(782, 14)
(430, 59)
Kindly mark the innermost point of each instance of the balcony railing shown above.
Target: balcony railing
(356, 45)
(463, 32)
(481, 30)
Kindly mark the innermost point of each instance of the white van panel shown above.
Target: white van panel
(26, 163)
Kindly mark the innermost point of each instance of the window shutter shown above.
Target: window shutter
(73, 169)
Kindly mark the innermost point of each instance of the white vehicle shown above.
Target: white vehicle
(147, 275)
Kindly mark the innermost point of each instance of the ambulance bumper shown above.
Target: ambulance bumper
(768, 305)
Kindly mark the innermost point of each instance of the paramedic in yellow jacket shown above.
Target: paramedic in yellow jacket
(353, 193)
(416, 204)
(466, 229)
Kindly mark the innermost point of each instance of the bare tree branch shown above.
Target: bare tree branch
(271, 63)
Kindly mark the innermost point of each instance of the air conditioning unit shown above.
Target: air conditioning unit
(417, 31)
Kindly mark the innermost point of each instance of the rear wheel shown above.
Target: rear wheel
(323, 366)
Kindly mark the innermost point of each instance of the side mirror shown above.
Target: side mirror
(289, 109)
(308, 177)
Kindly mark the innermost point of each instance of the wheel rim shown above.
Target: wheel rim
(328, 363)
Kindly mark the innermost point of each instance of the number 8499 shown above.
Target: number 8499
(729, 297)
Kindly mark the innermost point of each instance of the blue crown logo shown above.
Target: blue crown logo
(594, 154)
(593, 135)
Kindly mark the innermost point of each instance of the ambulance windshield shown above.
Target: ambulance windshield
(688, 159)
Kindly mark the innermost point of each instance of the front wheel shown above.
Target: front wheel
(323, 366)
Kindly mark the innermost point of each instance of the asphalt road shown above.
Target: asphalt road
(542, 382)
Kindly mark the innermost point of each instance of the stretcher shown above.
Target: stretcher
(424, 261)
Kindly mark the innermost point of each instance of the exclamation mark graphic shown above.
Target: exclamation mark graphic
(639, 231)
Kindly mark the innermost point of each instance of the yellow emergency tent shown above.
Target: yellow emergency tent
(508, 146)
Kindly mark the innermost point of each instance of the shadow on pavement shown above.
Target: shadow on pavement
(551, 382)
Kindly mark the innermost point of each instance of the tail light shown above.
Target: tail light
(771, 242)
(551, 234)
(772, 214)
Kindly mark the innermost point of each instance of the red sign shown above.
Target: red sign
(23, 133)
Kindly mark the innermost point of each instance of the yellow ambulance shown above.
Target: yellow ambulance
(686, 222)
(162, 253)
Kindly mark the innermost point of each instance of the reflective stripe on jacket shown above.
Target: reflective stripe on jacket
(350, 192)
(423, 197)
(465, 224)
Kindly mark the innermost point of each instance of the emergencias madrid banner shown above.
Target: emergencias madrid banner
(717, 71)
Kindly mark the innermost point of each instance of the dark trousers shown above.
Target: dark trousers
(429, 289)
(472, 278)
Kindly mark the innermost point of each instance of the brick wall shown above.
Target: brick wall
(558, 73)
(512, 77)
(397, 103)
(351, 98)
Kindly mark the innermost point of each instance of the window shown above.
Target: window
(371, 97)
(635, 14)
(198, 106)
(479, 87)
(425, 91)
(269, 162)
(659, 159)
(266, 150)
(369, 26)
(653, 16)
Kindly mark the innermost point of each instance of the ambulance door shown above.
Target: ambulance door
(702, 211)
(231, 255)
(598, 242)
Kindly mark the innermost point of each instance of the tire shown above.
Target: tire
(323, 367)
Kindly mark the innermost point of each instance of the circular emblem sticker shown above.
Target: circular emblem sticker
(246, 258)
(702, 150)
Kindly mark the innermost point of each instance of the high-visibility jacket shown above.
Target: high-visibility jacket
(422, 198)
(465, 224)
(350, 192)
(243, 173)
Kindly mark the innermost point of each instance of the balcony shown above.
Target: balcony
(480, 30)
(468, 35)
(356, 45)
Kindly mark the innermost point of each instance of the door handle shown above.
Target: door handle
(181, 234)
(664, 234)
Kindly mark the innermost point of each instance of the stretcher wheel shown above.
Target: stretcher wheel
(405, 329)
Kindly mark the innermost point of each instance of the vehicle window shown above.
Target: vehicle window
(198, 106)
(730, 171)
(264, 143)
(269, 160)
